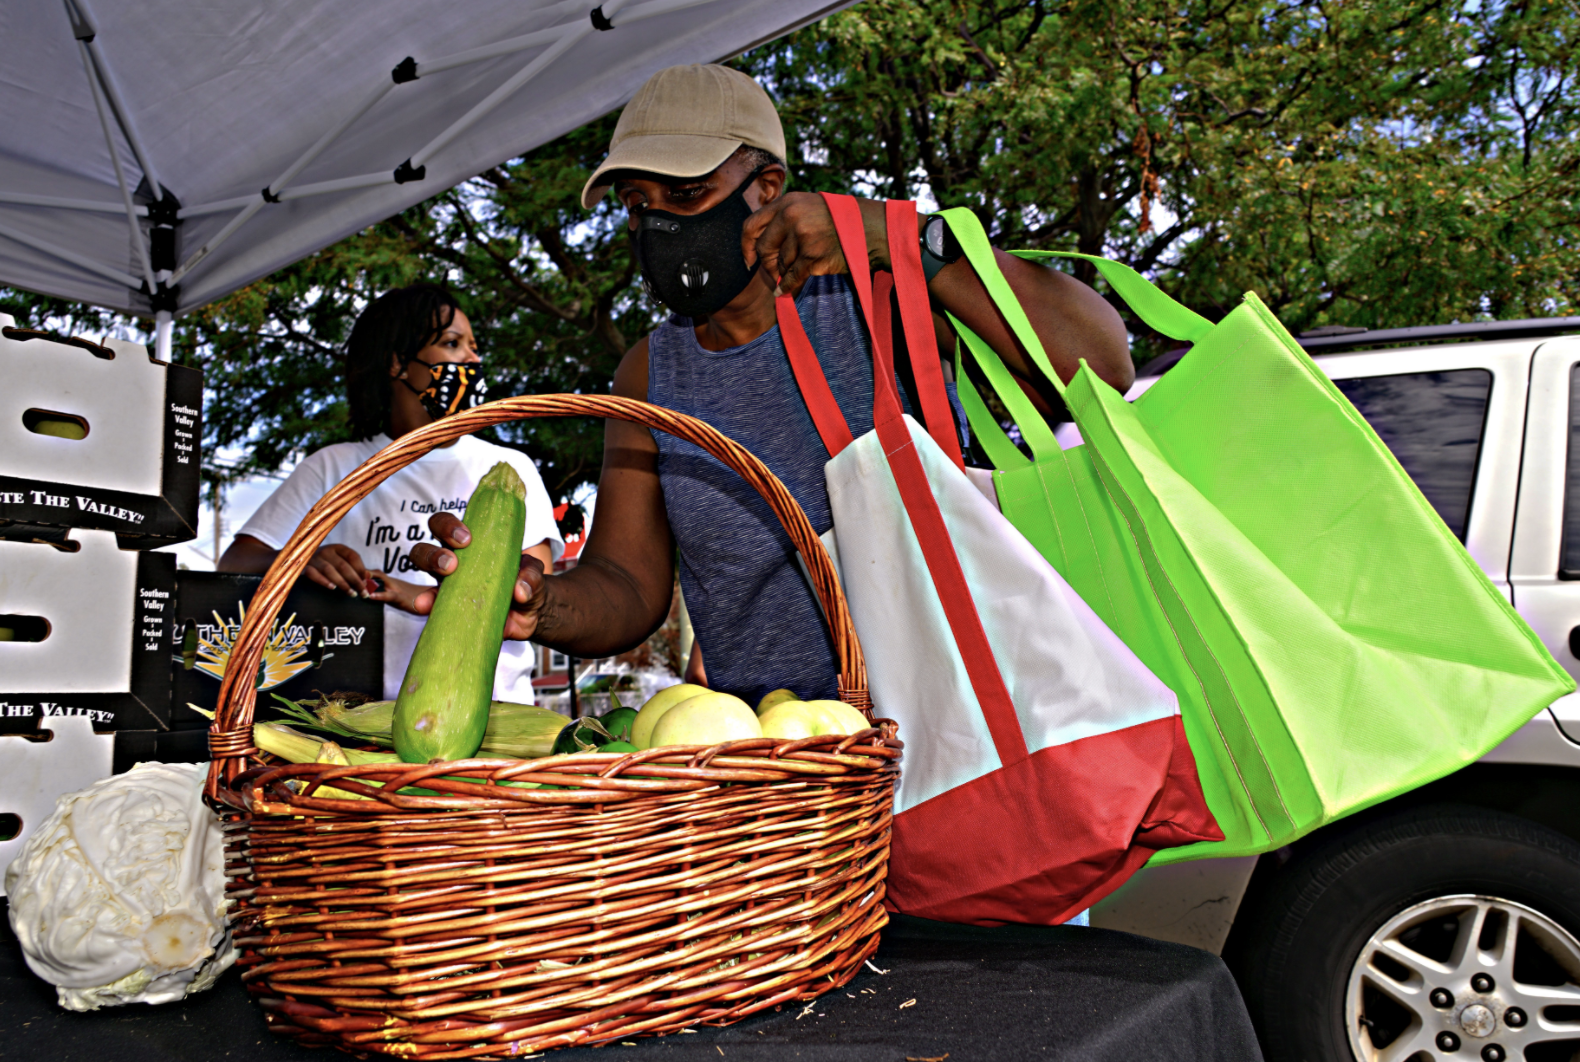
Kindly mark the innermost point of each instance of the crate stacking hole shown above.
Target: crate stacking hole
(56, 425)
(23, 628)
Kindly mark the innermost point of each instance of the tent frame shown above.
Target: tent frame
(162, 276)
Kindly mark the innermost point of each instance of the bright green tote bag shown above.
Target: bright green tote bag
(1245, 532)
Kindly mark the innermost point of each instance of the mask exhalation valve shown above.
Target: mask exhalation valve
(694, 275)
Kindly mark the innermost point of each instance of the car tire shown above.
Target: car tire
(1298, 952)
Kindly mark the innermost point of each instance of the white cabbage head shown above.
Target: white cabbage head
(119, 897)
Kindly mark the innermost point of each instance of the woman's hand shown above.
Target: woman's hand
(527, 598)
(794, 238)
(340, 568)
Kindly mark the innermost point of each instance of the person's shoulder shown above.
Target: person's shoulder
(630, 377)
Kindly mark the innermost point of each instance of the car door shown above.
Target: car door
(1544, 565)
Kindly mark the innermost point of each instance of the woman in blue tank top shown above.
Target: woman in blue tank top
(697, 161)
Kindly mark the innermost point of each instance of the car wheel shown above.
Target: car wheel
(1442, 932)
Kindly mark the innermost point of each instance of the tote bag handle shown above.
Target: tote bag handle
(873, 296)
(927, 519)
(1147, 301)
(1152, 305)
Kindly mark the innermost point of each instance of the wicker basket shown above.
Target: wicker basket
(650, 892)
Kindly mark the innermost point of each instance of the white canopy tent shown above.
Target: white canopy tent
(155, 156)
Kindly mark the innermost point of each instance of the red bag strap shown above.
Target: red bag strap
(915, 317)
(885, 400)
(927, 520)
(827, 417)
(916, 314)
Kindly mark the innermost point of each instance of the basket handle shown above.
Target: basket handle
(230, 737)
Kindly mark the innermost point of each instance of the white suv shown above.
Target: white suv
(1444, 924)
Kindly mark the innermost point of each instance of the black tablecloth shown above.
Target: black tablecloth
(1010, 993)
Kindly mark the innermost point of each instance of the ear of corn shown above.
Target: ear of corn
(296, 747)
(514, 731)
(443, 707)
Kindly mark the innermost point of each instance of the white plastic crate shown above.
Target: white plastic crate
(85, 633)
(34, 774)
(135, 469)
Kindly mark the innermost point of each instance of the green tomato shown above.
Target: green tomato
(618, 722)
(581, 735)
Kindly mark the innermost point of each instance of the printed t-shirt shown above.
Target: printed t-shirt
(386, 524)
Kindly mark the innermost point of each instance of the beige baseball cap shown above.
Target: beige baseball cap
(685, 122)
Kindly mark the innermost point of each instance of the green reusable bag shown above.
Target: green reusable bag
(1250, 538)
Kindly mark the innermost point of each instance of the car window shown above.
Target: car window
(1432, 422)
(1569, 555)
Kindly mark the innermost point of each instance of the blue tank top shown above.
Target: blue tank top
(752, 609)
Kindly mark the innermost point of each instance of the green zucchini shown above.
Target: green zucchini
(442, 710)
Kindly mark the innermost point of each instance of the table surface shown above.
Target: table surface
(955, 992)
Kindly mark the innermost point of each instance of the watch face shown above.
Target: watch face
(934, 235)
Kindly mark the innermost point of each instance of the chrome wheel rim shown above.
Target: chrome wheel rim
(1463, 977)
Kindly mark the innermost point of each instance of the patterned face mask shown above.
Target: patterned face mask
(452, 388)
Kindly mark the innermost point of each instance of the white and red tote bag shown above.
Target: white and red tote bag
(1044, 763)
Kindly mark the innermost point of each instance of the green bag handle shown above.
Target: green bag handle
(1158, 310)
(1034, 429)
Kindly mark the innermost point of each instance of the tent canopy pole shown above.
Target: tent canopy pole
(60, 203)
(86, 30)
(120, 173)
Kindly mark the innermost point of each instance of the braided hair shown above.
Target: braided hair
(398, 323)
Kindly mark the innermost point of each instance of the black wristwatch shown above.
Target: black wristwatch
(939, 246)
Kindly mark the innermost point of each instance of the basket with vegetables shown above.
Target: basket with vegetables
(442, 877)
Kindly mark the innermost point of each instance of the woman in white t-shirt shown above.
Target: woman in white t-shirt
(411, 359)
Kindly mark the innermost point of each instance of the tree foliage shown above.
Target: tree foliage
(1377, 163)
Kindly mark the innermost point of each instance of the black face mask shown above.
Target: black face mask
(452, 387)
(692, 263)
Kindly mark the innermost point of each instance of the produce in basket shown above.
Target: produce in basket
(656, 706)
(618, 721)
(293, 746)
(706, 719)
(514, 731)
(280, 740)
(792, 720)
(442, 710)
(586, 734)
(119, 897)
(773, 697)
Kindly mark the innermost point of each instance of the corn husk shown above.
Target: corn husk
(296, 747)
(515, 731)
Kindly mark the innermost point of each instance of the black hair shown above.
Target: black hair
(398, 323)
